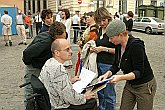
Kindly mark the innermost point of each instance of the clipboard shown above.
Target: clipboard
(99, 85)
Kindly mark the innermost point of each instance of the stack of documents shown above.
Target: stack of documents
(86, 77)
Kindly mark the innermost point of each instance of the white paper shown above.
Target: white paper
(86, 77)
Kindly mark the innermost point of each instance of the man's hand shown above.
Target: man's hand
(89, 95)
(74, 79)
(105, 76)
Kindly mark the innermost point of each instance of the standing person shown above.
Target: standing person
(31, 27)
(90, 33)
(47, 18)
(131, 58)
(27, 24)
(83, 25)
(6, 28)
(58, 83)
(66, 20)
(38, 22)
(76, 25)
(58, 16)
(105, 57)
(129, 24)
(121, 16)
(21, 27)
(36, 54)
(116, 16)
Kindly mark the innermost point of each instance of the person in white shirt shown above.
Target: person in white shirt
(76, 25)
(58, 83)
(21, 27)
(65, 19)
(6, 28)
(58, 16)
(38, 22)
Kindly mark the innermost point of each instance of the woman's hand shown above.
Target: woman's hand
(74, 79)
(97, 49)
(105, 76)
(116, 79)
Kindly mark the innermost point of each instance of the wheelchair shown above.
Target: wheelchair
(39, 100)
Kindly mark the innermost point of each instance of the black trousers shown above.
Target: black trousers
(89, 105)
(76, 31)
(38, 27)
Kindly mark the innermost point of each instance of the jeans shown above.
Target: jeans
(107, 96)
(31, 31)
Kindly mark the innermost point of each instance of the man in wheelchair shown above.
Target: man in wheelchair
(56, 80)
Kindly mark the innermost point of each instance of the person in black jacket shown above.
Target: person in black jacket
(39, 51)
(129, 23)
(131, 58)
(47, 18)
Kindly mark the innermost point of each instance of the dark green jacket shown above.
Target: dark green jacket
(38, 51)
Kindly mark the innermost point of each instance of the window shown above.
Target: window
(110, 2)
(154, 2)
(60, 2)
(137, 19)
(123, 6)
(146, 20)
(33, 4)
(138, 3)
(44, 4)
(29, 5)
(38, 5)
(24, 6)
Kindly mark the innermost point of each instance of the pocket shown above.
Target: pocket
(151, 86)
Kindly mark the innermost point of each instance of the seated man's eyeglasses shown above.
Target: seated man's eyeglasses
(67, 49)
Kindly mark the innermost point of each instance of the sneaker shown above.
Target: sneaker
(6, 44)
(10, 43)
(20, 43)
(25, 43)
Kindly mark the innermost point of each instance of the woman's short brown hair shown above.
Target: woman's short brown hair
(102, 13)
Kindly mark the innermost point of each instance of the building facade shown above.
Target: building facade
(124, 6)
(34, 5)
(12, 3)
(113, 6)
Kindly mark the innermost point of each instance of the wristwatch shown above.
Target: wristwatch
(107, 50)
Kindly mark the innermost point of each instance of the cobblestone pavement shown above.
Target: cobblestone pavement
(12, 71)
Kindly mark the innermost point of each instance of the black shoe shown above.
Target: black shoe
(6, 44)
(25, 43)
(10, 43)
(20, 43)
